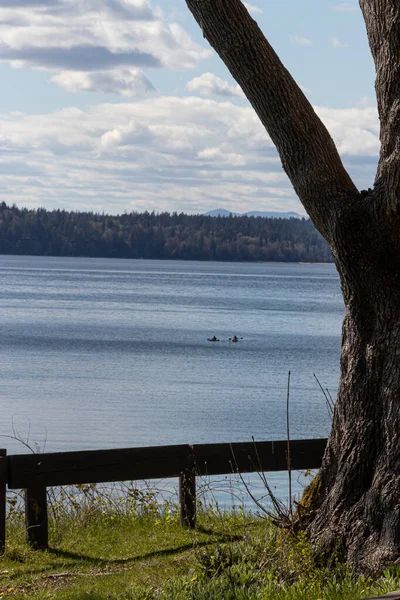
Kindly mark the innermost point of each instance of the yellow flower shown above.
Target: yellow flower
(11, 589)
(193, 579)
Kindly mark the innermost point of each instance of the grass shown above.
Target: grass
(102, 549)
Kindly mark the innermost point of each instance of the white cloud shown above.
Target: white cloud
(209, 84)
(355, 130)
(95, 45)
(131, 83)
(338, 44)
(163, 153)
(300, 41)
(216, 155)
(132, 134)
(254, 10)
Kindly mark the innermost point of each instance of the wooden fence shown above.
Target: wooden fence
(35, 472)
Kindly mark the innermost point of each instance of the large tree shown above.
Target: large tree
(357, 500)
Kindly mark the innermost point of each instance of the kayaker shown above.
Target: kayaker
(213, 339)
(235, 338)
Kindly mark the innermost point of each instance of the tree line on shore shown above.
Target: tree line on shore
(159, 236)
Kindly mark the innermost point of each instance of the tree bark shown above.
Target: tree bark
(356, 510)
(356, 504)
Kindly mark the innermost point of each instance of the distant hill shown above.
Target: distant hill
(222, 212)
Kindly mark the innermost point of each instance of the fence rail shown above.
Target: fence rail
(35, 472)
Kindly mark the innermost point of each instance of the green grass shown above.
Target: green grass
(101, 551)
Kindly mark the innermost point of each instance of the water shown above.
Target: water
(105, 353)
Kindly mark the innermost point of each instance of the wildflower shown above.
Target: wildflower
(193, 579)
(11, 589)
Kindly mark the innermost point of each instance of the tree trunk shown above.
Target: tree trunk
(356, 502)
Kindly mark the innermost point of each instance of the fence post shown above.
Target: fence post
(36, 518)
(187, 495)
(3, 483)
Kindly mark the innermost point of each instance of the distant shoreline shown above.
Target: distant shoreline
(242, 262)
(162, 236)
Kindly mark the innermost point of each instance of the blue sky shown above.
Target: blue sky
(121, 105)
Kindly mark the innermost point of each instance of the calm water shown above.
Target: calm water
(103, 353)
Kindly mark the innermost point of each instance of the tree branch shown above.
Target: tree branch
(307, 151)
(382, 19)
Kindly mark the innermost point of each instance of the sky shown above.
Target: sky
(121, 105)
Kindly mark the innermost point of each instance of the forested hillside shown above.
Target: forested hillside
(164, 235)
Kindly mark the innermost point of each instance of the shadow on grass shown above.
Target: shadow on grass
(156, 553)
(225, 536)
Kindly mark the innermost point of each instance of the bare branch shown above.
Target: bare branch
(307, 151)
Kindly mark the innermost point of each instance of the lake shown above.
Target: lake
(108, 353)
